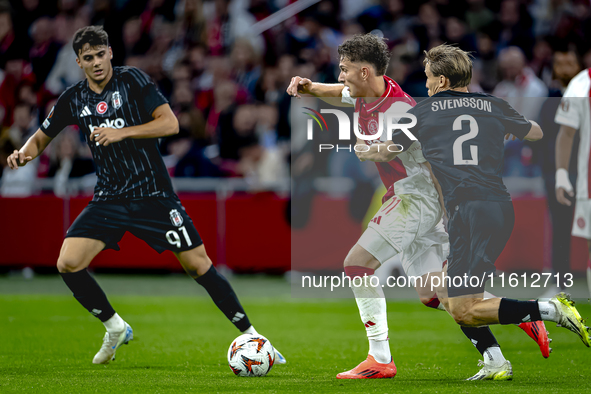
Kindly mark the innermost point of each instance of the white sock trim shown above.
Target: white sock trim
(493, 357)
(250, 330)
(380, 350)
(548, 311)
(115, 323)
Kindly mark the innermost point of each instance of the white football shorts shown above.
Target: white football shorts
(582, 222)
(411, 225)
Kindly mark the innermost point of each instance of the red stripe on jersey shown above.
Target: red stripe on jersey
(392, 171)
(589, 162)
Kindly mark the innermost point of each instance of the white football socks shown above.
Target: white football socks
(380, 350)
(372, 309)
(250, 330)
(493, 357)
(548, 311)
(114, 324)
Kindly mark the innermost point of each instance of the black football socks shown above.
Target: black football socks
(481, 337)
(89, 294)
(224, 297)
(516, 312)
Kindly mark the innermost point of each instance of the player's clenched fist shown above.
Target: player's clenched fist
(18, 159)
(106, 135)
(299, 85)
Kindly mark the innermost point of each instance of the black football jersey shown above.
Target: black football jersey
(131, 168)
(462, 135)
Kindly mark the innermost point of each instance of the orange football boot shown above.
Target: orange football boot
(537, 331)
(370, 369)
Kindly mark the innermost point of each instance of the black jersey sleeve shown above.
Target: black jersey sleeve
(59, 117)
(147, 90)
(514, 122)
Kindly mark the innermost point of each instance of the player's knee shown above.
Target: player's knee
(195, 262)
(348, 261)
(65, 265)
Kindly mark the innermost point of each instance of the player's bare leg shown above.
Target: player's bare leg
(199, 267)
(75, 256)
(372, 308)
(473, 311)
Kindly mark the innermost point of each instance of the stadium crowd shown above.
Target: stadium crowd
(226, 84)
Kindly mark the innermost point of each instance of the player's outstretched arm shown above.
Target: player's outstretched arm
(32, 148)
(535, 132)
(299, 86)
(164, 124)
(564, 146)
(382, 152)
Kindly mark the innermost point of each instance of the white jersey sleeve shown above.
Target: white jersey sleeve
(346, 97)
(572, 109)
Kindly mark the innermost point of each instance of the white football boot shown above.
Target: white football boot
(504, 372)
(112, 342)
(279, 359)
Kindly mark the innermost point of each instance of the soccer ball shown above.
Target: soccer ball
(251, 355)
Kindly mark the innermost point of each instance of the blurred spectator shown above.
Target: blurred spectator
(541, 63)
(456, 32)
(17, 72)
(23, 127)
(520, 87)
(515, 27)
(487, 61)
(428, 27)
(477, 15)
(44, 51)
(387, 16)
(135, 41)
(194, 23)
(226, 24)
(186, 156)
(518, 82)
(236, 130)
(64, 72)
(245, 65)
(12, 46)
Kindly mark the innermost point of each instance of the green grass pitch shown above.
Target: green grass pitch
(48, 341)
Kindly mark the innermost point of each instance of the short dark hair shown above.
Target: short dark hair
(451, 62)
(366, 48)
(93, 35)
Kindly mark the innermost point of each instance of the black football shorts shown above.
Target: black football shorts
(478, 233)
(161, 222)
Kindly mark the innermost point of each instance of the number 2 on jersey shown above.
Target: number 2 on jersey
(173, 237)
(457, 148)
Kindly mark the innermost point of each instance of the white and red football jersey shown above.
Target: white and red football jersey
(574, 111)
(396, 173)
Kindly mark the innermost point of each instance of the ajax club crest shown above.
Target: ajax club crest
(176, 218)
(116, 100)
